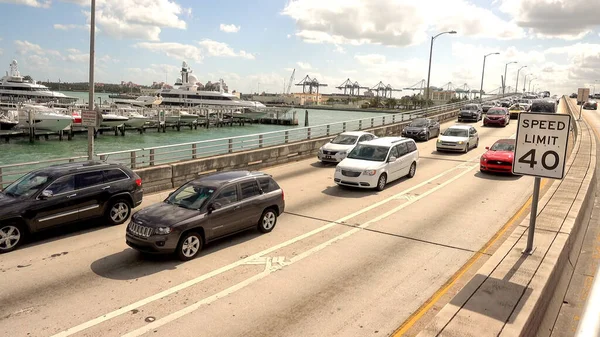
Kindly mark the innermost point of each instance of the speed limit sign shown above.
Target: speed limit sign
(541, 145)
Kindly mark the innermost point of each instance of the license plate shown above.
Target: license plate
(327, 157)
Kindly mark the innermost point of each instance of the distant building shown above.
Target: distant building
(443, 96)
(275, 99)
(308, 98)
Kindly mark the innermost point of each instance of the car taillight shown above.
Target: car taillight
(282, 195)
(138, 182)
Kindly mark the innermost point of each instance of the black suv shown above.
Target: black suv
(204, 210)
(66, 193)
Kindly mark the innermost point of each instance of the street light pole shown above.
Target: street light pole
(482, 74)
(504, 81)
(429, 69)
(531, 80)
(91, 129)
(517, 85)
(525, 82)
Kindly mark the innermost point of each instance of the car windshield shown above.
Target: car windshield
(495, 112)
(470, 107)
(516, 107)
(419, 123)
(369, 152)
(190, 196)
(28, 185)
(344, 140)
(455, 132)
(502, 146)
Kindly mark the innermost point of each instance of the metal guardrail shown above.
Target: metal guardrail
(159, 155)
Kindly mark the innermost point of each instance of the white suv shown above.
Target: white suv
(374, 163)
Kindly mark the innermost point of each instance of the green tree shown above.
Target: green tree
(391, 103)
(27, 78)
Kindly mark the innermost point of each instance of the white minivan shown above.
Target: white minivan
(374, 163)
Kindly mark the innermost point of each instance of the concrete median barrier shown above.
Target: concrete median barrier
(515, 294)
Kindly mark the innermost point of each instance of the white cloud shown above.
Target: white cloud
(215, 48)
(153, 73)
(564, 19)
(28, 48)
(31, 3)
(393, 22)
(175, 50)
(229, 28)
(339, 49)
(370, 59)
(289, 36)
(135, 19)
(304, 65)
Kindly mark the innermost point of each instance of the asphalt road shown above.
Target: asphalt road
(340, 262)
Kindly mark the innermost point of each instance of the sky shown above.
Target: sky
(254, 45)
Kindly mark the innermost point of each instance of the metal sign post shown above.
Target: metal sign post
(583, 95)
(540, 151)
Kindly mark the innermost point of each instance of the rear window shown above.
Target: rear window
(268, 184)
(543, 107)
(412, 147)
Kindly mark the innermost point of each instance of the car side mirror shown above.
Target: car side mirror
(210, 208)
(392, 159)
(487, 147)
(46, 194)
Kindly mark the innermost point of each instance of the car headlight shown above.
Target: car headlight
(483, 159)
(460, 142)
(422, 132)
(439, 140)
(162, 230)
(338, 169)
(342, 153)
(321, 149)
(370, 172)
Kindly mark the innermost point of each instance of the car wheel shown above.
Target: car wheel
(412, 170)
(267, 221)
(466, 148)
(477, 143)
(381, 182)
(118, 212)
(189, 246)
(11, 236)
(427, 136)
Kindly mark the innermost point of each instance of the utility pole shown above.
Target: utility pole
(91, 129)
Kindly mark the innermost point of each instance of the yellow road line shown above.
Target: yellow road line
(416, 316)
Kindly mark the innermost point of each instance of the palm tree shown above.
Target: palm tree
(391, 103)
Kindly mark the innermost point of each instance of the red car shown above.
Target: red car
(497, 116)
(499, 157)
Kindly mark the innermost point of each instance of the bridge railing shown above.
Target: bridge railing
(158, 155)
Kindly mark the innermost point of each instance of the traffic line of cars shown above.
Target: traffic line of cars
(221, 204)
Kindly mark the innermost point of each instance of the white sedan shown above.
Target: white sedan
(458, 138)
(337, 149)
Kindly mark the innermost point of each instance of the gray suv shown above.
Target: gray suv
(207, 209)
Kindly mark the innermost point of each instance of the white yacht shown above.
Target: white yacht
(8, 119)
(45, 118)
(135, 119)
(186, 93)
(14, 88)
(111, 119)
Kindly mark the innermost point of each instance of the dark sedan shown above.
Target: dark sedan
(422, 129)
(207, 209)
